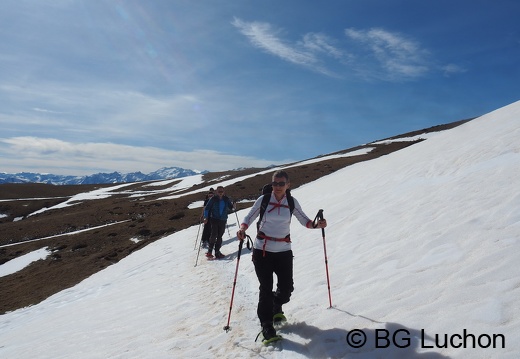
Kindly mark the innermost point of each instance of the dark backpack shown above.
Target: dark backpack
(266, 196)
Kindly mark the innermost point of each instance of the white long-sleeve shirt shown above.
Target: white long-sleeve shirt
(275, 223)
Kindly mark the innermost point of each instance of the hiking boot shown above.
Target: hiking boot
(268, 331)
(278, 316)
(219, 255)
(277, 309)
(209, 255)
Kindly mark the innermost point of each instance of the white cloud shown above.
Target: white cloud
(37, 109)
(103, 113)
(399, 56)
(266, 37)
(321, 43)
(377, 53)
(53, 155)
(451, 69)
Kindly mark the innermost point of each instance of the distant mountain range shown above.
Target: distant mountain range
(98, 178)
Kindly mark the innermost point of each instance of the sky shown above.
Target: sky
(108, 85)
(421, 244)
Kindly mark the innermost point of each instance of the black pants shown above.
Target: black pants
(281, 264)
(218, 228)
(206, 232)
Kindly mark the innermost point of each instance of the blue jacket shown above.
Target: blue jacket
(218, 208)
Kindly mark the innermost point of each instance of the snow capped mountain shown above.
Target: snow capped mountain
(97, 178)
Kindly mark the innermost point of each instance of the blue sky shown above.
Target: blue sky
(106, 85)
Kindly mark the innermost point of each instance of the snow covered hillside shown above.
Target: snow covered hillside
(423, 251)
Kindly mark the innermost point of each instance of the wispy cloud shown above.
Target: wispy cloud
(305, 53)
(452, 69)
(317, 43)
(37, 109)
(374, 53)
(397, 55)
(100, 112)
(264, 36)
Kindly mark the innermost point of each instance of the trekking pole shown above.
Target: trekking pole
(227, 225)
(236, 215)
(319, 216)
(195, 246)
(198, 252)
(227, 328)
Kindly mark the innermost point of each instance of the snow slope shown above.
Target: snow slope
(423, 252)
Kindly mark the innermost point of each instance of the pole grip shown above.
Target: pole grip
(319, 216)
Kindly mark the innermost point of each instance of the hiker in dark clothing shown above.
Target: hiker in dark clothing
(272, 252)
(206, 232)
(216, 212)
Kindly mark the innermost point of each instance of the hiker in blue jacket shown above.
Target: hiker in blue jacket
(216, 213)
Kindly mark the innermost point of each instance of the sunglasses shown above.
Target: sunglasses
(278, 184)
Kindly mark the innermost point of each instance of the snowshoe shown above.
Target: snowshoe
(269, 334)
(279, 318)
(272, 340)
